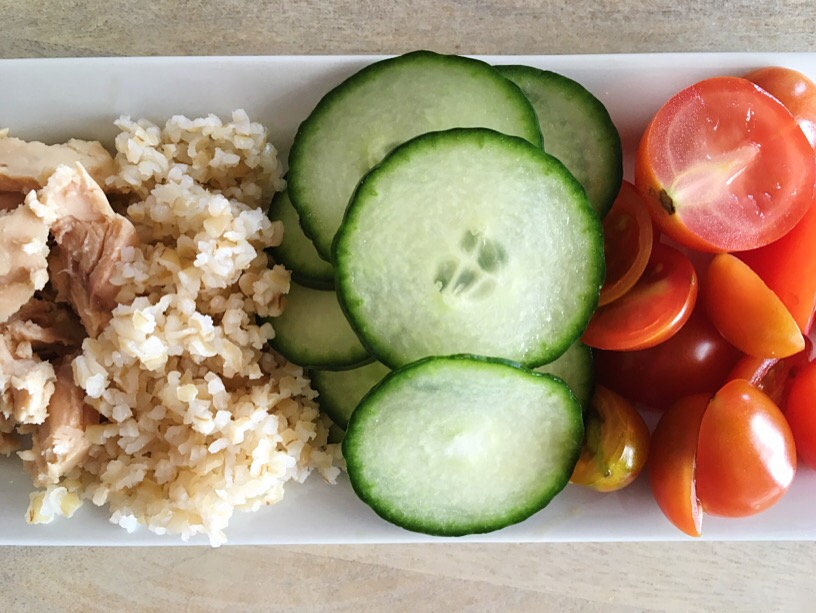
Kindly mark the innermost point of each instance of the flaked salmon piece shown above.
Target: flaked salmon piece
(72, 192)
(26, 383)
(8, 442)
(90, 238)
(50, 328)
(23, 253)
(59, 445)
(82, 265)
(11, 200)
(28, 165)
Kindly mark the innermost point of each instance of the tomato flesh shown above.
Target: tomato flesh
(627, 243)
(746, 458)
(672, 463)
(725, 167)
(653, 310)
(747, 312)
(801, 413)
(695, 360)
(795, 91)
(616, 443)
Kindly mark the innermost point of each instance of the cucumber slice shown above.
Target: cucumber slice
(356, 124)
(577, 129)
(469, 241)
(341, 391)
(577, 370)
(296, 252)
(336, 434)
(313, 332)
(459, 445)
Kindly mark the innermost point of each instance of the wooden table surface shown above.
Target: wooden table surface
(563, 577)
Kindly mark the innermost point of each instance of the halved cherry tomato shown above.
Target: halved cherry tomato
(616, 443)
(746, 458)
(627, 243)
(762, 373)
(801, 412)
(653, 310)
(795, 91)
(771, 375)
(672, 463)
(697, 359)
(725, 167)
(746, 312)
(788, 267)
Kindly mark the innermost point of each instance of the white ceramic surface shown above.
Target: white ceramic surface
(56, 99)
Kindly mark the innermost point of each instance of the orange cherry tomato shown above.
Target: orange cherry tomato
(616, 443)
(788, 267)
(801, 413)
(672, 461)
(724, 166)
(746, 458)
(627, 243)
(653, 310)
(795, 91)
(746, 312)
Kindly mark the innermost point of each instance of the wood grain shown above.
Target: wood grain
(576, 577)
(259, 27)
(564, 577)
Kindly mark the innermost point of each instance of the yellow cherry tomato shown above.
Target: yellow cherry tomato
(616, 443)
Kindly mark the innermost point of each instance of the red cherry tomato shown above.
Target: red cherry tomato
(795, 91)
(788, 267)
(725, 167)
(672, 463)
(653, 310)
(627, 243)
(697, 359)
(801, 413)
(746, 458)
(616, 443)
(747, 312)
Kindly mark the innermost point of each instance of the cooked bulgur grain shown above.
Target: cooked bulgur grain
(200, 418)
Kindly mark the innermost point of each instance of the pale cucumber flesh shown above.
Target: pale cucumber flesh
(296, 252)
(387, 103)
(469, 241)
(340, 391)
(576, 128)
(313, 332)
(575, 367)
(458, 445)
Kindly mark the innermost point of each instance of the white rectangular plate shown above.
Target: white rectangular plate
(53, 100)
